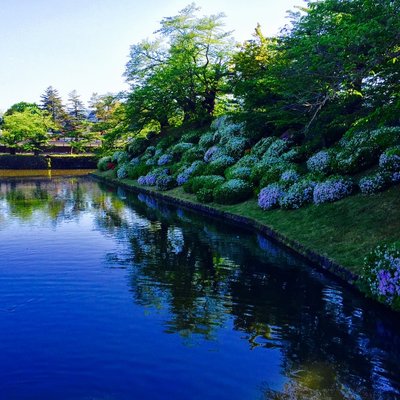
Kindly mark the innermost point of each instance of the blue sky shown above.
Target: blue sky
(84, 44)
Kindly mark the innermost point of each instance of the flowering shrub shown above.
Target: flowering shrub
(235, 147)
(385, 137)
(151, 150)
(382, 274)
(135, 161)
(212, 153)
(290, 176)
(374, 183)
(396, 177)
(164, 159)
(225, 129)
(102, 163)
(247, 161)
(180, 148)
(238, 173)
(120, 157)
(232, 191)
(184, 176)
(147, 180)
(269, 196)
(165, 182)
(206, 181)
(390, 159)
(219, 164)
(206, 140)
(298, 195)
(276, 149)
(150, 162)
(291, 155)
(319, 162)
(335, 188)
(262, 146)
(122, 171)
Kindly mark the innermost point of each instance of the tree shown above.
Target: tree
(335, 65)
(27, 130)
(180, 73)
(51, 103)
(76, 125)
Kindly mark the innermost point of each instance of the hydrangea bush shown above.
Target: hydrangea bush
(206, 140)
(262, 146)
(212, 153)
(298, 195)
(164, 159)
(219, 164)
(290, 176)
(184, 176)
(333, 189)
(390, 159)
(120, 157)
(382, 274)
(319, 162)
(269, 196)
(122, 171)
(374, 183)
(238, 173)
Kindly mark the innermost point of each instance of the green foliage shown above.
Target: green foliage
(103, 162)
(193, 185)
(27, 130)
(178, 76)
(205, 195)
(134, 171)
(232, 191)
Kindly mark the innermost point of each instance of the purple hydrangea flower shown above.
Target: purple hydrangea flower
(269, 196)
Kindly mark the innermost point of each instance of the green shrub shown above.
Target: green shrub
(137, 146)
(193, 185)
(205, 195)
(235, 172)
(103, 162)
(165, 182)
(193, 154)
(191, 137)
(262, 146)
(206, 140)
(134, 171)
(232, 191)
(219, 165)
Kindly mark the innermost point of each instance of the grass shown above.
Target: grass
(344, 231)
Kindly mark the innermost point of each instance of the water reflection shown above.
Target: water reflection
(203, 278)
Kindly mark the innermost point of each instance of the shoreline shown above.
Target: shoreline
(338, 271)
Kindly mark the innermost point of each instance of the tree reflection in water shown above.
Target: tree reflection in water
(201, 275)
(204, 273)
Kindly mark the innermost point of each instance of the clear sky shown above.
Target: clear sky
(84, 44)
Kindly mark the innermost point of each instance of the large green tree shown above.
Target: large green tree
(181, 73)
(332, 68)
(26, 130)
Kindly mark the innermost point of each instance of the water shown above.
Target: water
(110, 295)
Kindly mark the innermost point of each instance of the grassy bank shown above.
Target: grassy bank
(26, 161)
(344, 231)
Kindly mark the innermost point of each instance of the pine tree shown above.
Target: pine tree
(52, 104)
